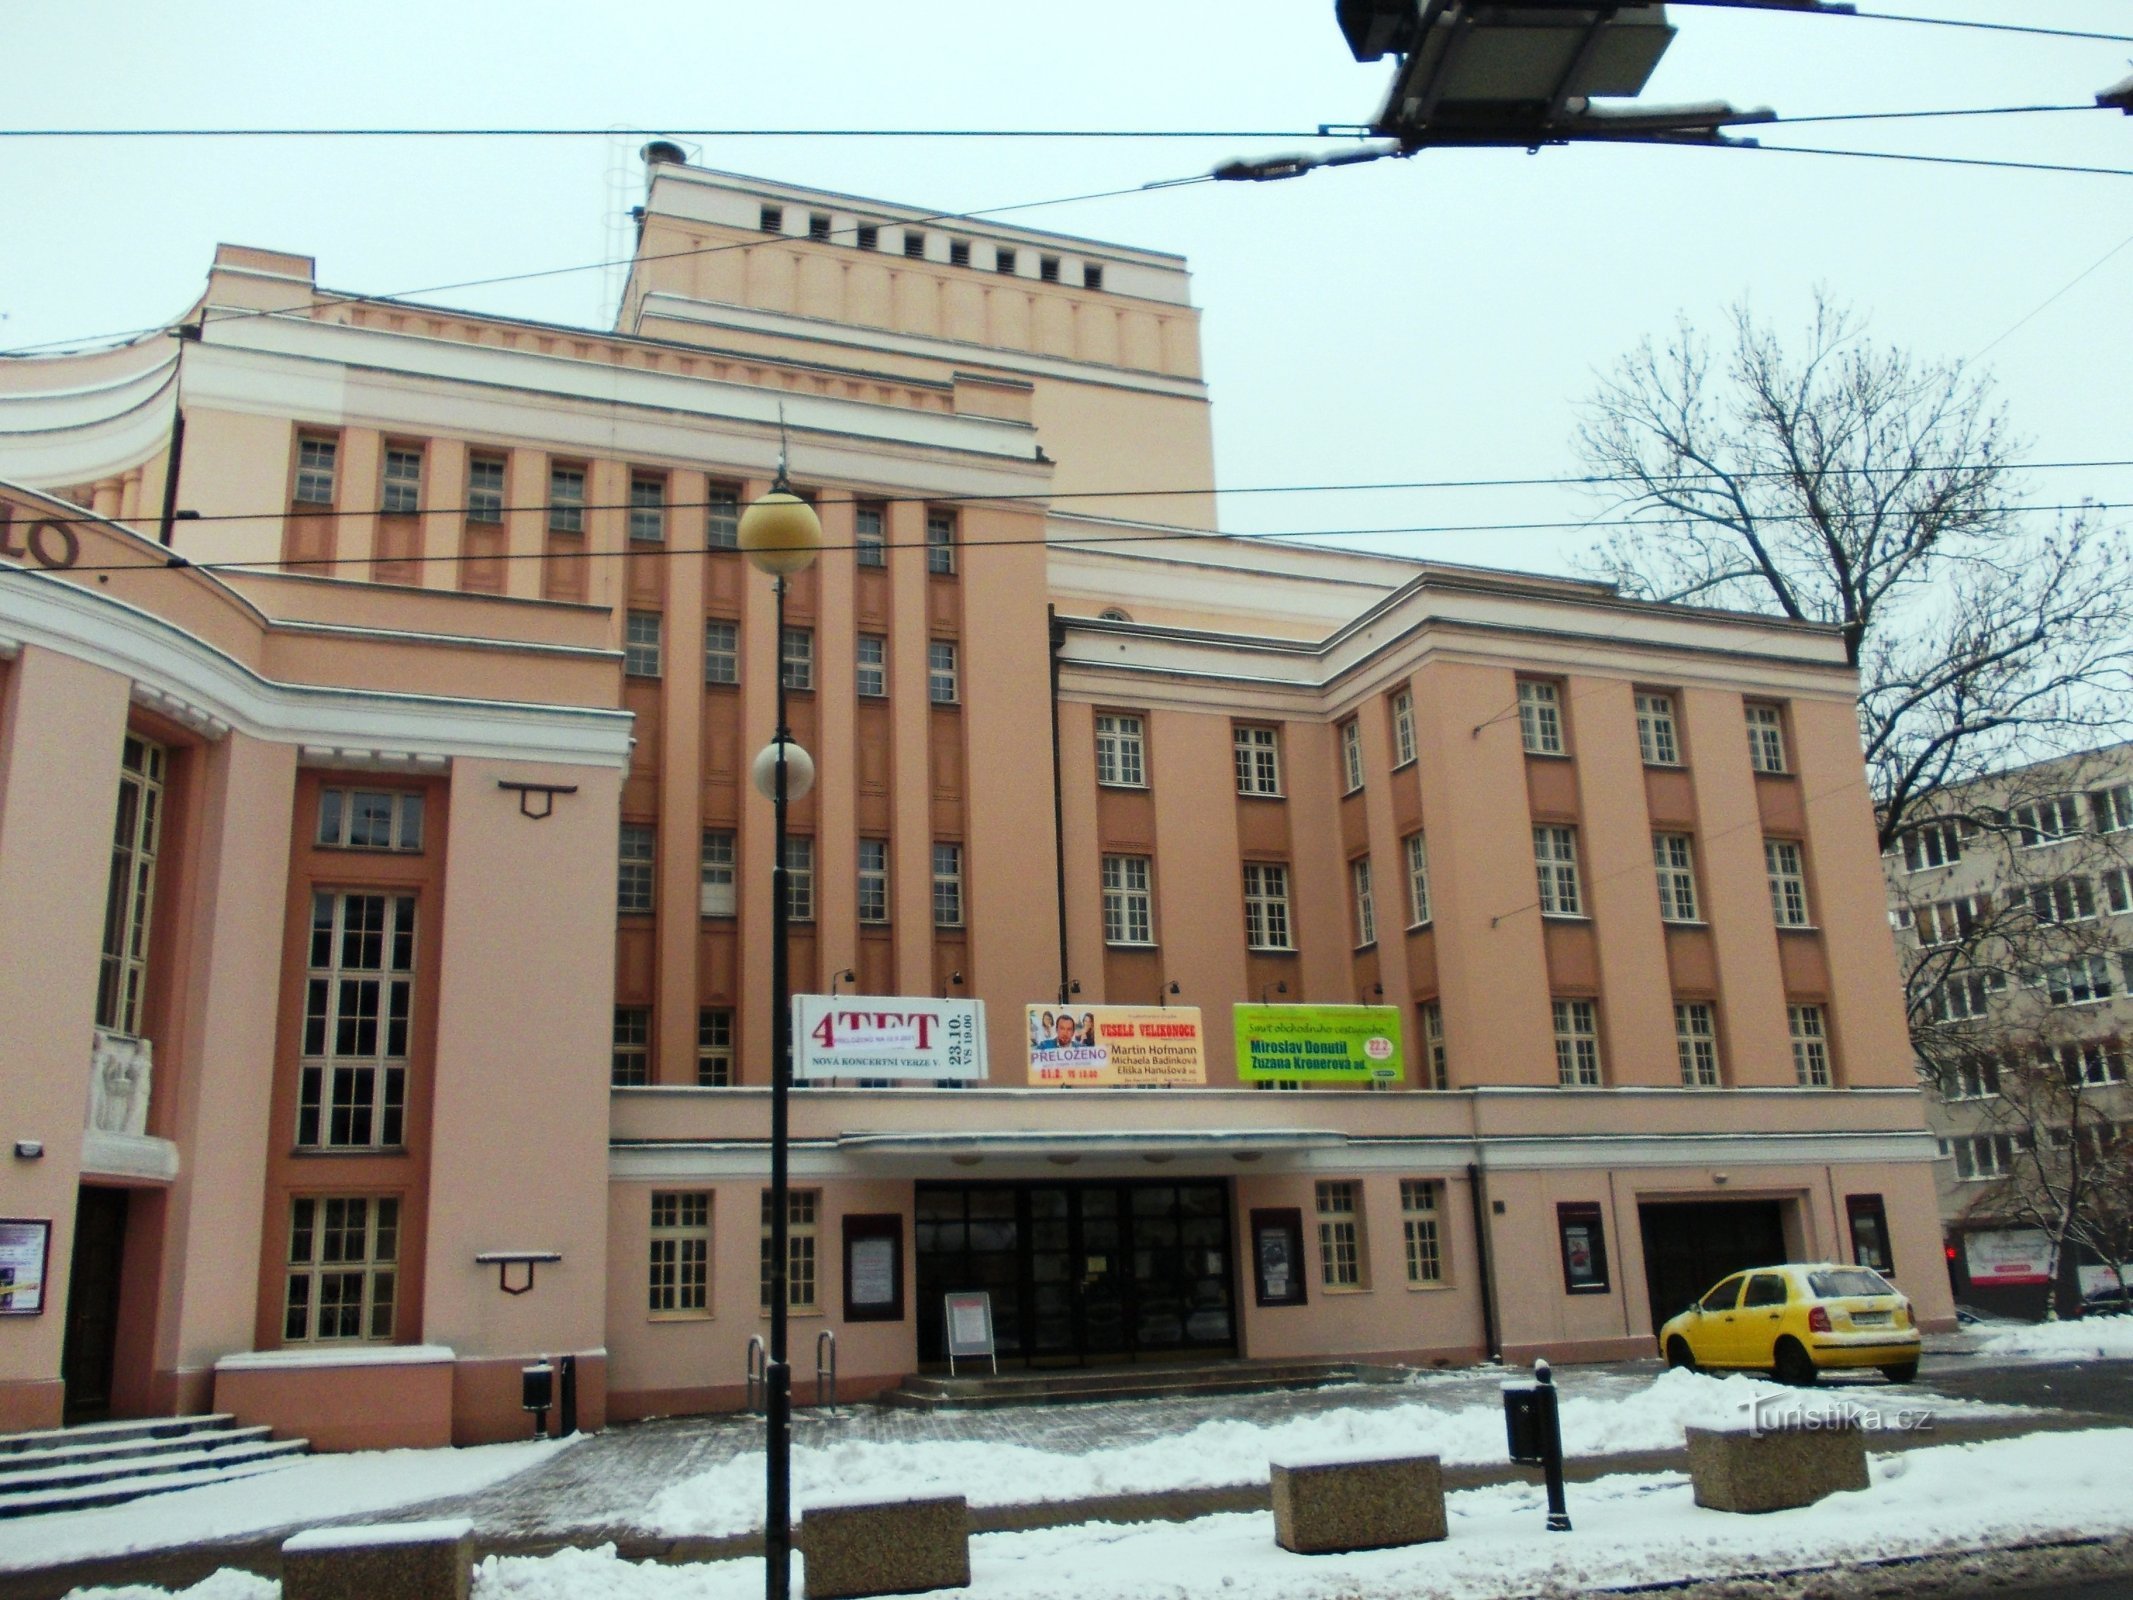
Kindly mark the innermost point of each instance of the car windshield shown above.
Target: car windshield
(1840, 1282)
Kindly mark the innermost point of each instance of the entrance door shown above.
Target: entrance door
(1690, 1245)
(92, 1303)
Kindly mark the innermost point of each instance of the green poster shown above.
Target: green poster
(1319, 1044)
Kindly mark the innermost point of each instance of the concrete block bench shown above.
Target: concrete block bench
(1775, 1468)
(389, 1561)
(867, 1546)
(1334, 1503)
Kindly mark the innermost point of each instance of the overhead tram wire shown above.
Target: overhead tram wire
(1991, 27)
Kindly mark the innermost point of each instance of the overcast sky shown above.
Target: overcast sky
(1425, 319)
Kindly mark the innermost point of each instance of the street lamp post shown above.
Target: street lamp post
(780, 535)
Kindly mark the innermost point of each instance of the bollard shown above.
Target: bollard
(1534, 1430)
(567, 1408)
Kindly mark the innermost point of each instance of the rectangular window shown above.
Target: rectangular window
(1657, 741)
(2076, 982)
(940, 543)
(1340, 1235)
(1258, 753)
(1266, 906)
(2112, 808)
(871, 666)
(566, 499)
(641, 645)
(1417, 852)
(796, 657)
(1788, 882)
(714, 1047)
(802, 1212)
(1766, 737)
(359, 984)
(1129, 902)
(1674, 859)
(1577, 1043)
(1555, 859)
(1696, 1043)
(2096, 1065)
(633, 881)
(1945, 922)
(485, 488)
(947, 884)
(1403, 727)
(2043, 822)
(401, 493)
(1421, 1201)
(1437, 1057)
(722, 519)
(1810, 1046)
(818, 226)
(129, 892)
(873, 880)
(1352, 754)
(770, 219)
(1003, 260)
(959, 252)
(799, 878)
(648, 507)
(2066, 900)
(680, 1267)
(632, 1060)
(1584, 1245)
(914, 244)
(1092, 276)
(314, 470)
(1048, 269)
(1983, 1157)
(1366, 910)
(869, 236)
(1977, 1079)
(716, 891)
(1933, 844)
(2118, 890)
(1121, 752)
(722, 652)
(1964, 998)
(1540, 717)
(369, 819)
(344, 1253)
(870, 539)
(941, 684)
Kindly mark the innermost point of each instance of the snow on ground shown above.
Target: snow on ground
(314, 1487)
(728, 1498)
(2085, 1338)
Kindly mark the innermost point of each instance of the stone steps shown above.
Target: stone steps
(109, 1463)
(931, 1391)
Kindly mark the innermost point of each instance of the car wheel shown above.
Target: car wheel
(1792, 1365)
(1679, 1355)
(1902, 1372)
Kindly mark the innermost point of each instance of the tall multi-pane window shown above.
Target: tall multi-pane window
(1365, 899)
(802, 1212)
(1788, 882)
(359, 982)
(1436, 1057)
(1258, 753)
(648, 507)
(715, 893)
(1657, 741)
(1352, 754)
(566, 499)
(2062, 900)
(722, 653)
(1340, 1235)
(1421, 1202)
(2112, 808)
(315, 461)
(1810, 1046)
(485, 488)
(873, 880)
(631, 1059)
(796, 658)
(1417, 853)
(1129, 903)
(871, 666)
(1403, 727)
(641, 647)
(1540, 717)
(714, 1047)
(940, 542)
(1266, 905)
(799, 878)
(947, 884)
(1766, 737)
(941, 679)
(400, 495)
(633, 878)
(870, 539)
(1696, 1043)
(1577, 1043)
(129, 892)
(2039, 822)
(1121, 751)
(679, 1275)
(369, 819)
(1674, 860)
(1933, 844)
(2077, 982)
(344, 1254)
(1555, 860)
(722, 519)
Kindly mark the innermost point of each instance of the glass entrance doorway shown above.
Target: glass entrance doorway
(1080, 1271)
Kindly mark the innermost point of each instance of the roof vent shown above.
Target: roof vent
(663, 150)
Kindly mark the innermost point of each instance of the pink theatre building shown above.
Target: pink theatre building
(385, 903)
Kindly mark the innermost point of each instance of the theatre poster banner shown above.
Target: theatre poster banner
(1110, 1047)
(1318, 1044)
(903, 1036)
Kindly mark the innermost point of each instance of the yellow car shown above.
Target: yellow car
(1794, 1321)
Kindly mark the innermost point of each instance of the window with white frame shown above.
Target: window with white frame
(947, 884)
(1944, 922)
(714, 1047)
(942, 681)
(566, 499)
(1696, 1043)
(1340, 1235)
(1933, 844)
(630, 1062)
(1766, 737)
(1555, 860)
(1981, 1157)
(715, 893)
(940, 543)
(873, 880)
(359, 984)
(1129, 902)
(1403, 727)
(1975, 1079)
(1352, 754)
(796, 657)
(1577, 1043)
(679, 1275)
(1788, 882)
(722, 519)
(1258, 752)
(870, 537)
(2096, 1064)
(648, 507)
(633, 878)
(722, 652)
(1266, 905)
(400, 495)
(2112, 808)
(1658, 741)
(803, 1209)
(1540, 717)
(2118, 890)
(315, 462)
(1121, 751)
(1674, 859)
(2064, 900)
(1808, 1026)
(370, 819)
(871, 666)
(485, 488)
(1416, 849)
(1436, 1057)
(799, 878)
(2041, 822)
(1965, 997)
(641, 645)
(1366, 909)
(1421, 1203)
(2077, 982)
(129, 891)
(343, 1269)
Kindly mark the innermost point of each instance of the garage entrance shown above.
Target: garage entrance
(1690, 1245)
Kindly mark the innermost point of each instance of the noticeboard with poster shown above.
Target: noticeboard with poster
(1115, 1047)
(25, 1260)
(2010, 1257)
(1318, 1044)
(908, 1036)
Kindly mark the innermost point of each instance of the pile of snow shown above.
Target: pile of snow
(2087, 1338)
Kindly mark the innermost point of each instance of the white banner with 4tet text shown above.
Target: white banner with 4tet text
(872, 1036)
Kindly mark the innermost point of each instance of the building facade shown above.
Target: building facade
(433, 719)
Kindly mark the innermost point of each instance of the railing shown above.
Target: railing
(758, 1373)
(826, 1370)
